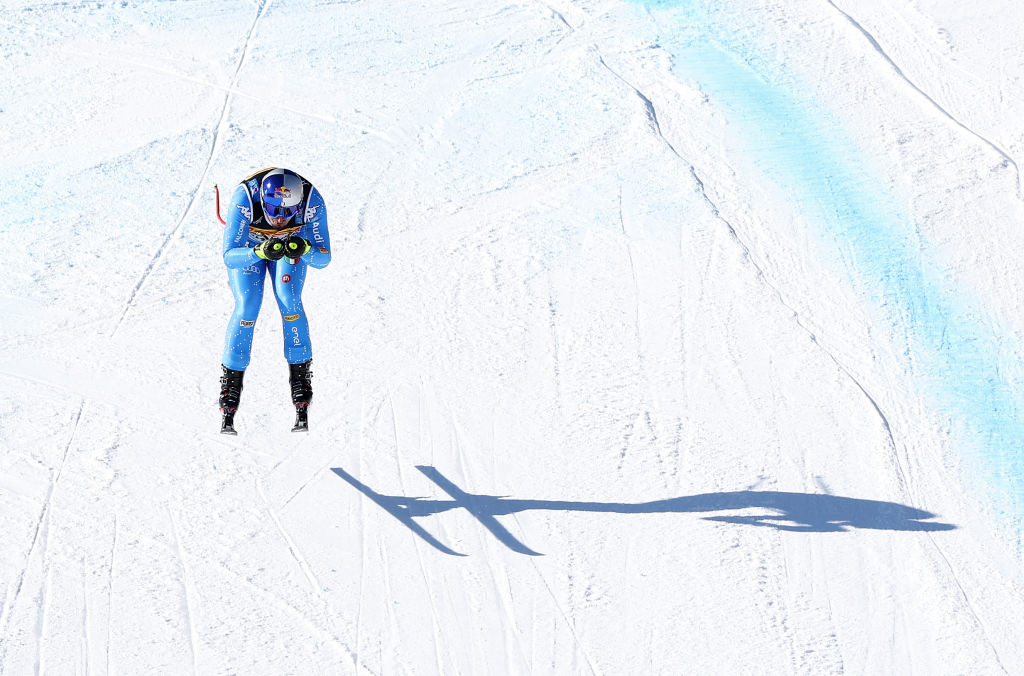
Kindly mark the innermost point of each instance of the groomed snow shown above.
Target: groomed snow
(659, 337)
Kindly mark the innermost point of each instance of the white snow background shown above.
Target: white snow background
(660, 338)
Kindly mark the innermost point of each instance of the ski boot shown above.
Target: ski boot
(302, 394)
(230, 393)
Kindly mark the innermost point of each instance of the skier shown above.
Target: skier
(277, 225)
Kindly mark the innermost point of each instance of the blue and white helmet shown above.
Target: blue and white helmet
(281, 194)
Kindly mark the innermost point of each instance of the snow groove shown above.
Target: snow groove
(110, 586)
(810, 334)
(429, 589)
(293, 549)
(229, 89)
(894, 449)
(42, 526)
(967, 602)
(569, 624)
(193, 638)
(44, 606)
(284, 604)
(558, 15)
(307, 571)
(652, 117)
(85, 658)
(556, 366)
(260, 11)
(945, 113)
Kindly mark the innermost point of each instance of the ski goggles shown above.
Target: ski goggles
(280, 212)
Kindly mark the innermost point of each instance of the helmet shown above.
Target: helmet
(281, 193)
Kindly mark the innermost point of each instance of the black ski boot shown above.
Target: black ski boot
(230, 393)
(302, 394)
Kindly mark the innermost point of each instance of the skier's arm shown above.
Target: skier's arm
(316, 232)
(236, 233)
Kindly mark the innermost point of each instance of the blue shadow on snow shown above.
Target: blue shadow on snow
(795, 512)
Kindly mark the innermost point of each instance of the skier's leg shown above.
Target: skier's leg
(288, 282)
(247, 285)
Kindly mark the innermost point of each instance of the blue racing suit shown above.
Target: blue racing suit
(246, 227)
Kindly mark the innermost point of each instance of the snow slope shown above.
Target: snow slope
(660, 337)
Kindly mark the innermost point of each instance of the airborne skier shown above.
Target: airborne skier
(277, 224)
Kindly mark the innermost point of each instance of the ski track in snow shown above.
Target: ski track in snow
(261, 9)
(42, 528)
(316, 586)
(186, 592)
(85, 657)
(293, 550)
(566, 621)
(945, 113)
(286, 605)
(428, 588)
(233, 90)
(110, 589)
(962, 593)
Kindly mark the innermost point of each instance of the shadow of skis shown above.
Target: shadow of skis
(401, 508)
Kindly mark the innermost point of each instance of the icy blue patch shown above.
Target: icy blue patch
(967, 371)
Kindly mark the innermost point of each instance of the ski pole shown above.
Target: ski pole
(217, 190)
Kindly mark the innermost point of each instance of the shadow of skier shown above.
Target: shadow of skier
(787, 511)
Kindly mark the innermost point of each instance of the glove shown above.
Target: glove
(270, 249)
(296, 247)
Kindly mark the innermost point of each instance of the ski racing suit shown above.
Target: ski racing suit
(247, 227)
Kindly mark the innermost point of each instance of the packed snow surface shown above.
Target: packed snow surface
(659, 337)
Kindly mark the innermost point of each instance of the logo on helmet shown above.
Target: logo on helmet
(282, 192)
